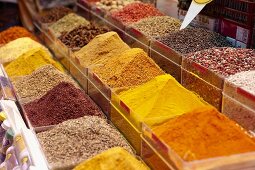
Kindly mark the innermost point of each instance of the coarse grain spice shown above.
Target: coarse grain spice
(191, 40)
(131, 68)
(204, 133)
(114, 158)
(225, 61)
(27, 63)
(74, 141)
(157, 26)
(81, 36)
(18, 47)
(102, 47)
(61, 103)
(113, 5)
(67, 23)
(15, 32)
(31, 87)
(54, 14)
(135, 12)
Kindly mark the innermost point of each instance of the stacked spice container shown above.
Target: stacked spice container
(45, 84)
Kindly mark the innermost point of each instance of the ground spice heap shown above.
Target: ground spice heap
(245, 80)
(133, 67)
(113, 5)
(61, 103)
(54, 14)
(34, 86)
(157, 26)
(18, 47)
(13, 33)
(101, 47)
(74, 141)
(193, 39)
(225, 61)
(204, 133)
(159, 99)
(135, 12)
(67, 23)
(81, 36)
(27, 63)
(114, 158)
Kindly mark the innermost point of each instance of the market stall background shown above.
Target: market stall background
(132, 80)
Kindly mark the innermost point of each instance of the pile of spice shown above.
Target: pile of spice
(244, 79)
(81, 36)
(13, 33)
(114, 158)
(101, 47)
(67, 23)
(225, 61)
(113, 5)
(61, 103)
(133, 67)
(74, 141)
(159, 99)
(54, 14)
(18, 47)
(204, 133)
(34, 86)
(135, 12)
(157, 26)
(193, 39)
(27, 63)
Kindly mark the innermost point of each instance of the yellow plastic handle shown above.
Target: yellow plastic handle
(203, 1)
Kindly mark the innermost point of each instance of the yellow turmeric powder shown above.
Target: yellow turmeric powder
(16, 48)
(159, 99)
(27, 63)
(115, 158)
(204, 133)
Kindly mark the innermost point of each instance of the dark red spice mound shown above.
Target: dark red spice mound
(61, 103)
(54, 14)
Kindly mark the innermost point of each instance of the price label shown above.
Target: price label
(194, 9)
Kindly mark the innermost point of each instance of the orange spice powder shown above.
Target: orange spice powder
(13, 33)
(204, 133)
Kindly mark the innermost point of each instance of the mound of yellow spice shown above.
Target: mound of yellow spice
(27, 63)
(159, 100)
(131, 68)
(113, 159)
(101, 47)
(204, 133)
(16, 48)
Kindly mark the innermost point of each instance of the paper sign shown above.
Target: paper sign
(195, 7)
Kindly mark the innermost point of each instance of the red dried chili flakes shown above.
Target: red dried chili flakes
(135, 12)
(14, 33)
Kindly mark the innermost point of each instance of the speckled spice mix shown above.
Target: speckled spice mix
(225, 61)
(81, 36)
(54, 14)
(135, 12)
(157, 26)
(191, 40)
(15, 32)
(113, 5)
(74, 141)
(131, 68)
(61, 103)
(67, 23)
(31, 87)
